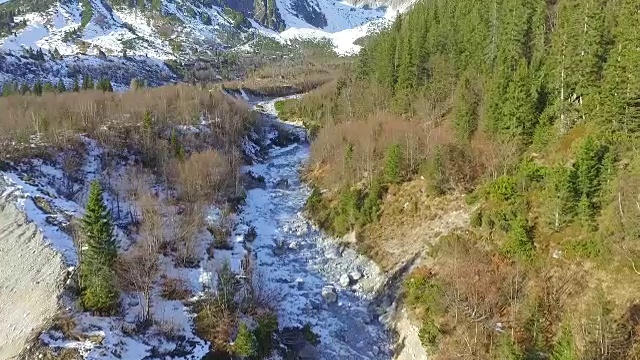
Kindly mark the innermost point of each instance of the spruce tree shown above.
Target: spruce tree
(393, 164)
(37, 88)
(371, 205)
(87, 82)
(7, 89)
(560, 197)
(406, 76)
(588, 170)
(520, 244)
(518, 117)
(464, 110)
(565, 348)
(507, 350)
(76, 86)
(60, 87)
(99, 293)
(48, 87)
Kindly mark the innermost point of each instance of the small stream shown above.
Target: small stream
(298, 262)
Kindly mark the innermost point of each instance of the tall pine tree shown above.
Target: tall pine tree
(99, 293)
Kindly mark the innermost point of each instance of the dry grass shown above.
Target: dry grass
(283, 80)
(114, 118)
(175, 289)
(412, 220)
(204, 175)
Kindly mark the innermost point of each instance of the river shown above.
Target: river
(298, 262)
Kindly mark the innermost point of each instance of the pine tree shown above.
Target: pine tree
(565, 348)
(518, 109)
(245, 345)
(60, 87)
(76, 87)
(87, 82)
(24, 89)
(99, 293)
(371, 206)
(393, 164)
(7, 89)
(48, 87)
(464, 110)
(37, 88)
(507, 350)
(588, 170)
(560, 197)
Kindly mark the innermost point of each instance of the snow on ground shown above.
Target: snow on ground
(344, 26)
(29, 36)
(35, 186)
(113, 31)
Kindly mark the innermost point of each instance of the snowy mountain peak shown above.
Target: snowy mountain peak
(145, 34)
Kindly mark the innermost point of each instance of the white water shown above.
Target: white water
(310, 260)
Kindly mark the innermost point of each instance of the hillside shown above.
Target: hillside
(490, 149)
(169, 36)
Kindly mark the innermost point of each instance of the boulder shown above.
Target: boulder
(282, 184)
(329, 294)
(345, 280)
(253, 181)
(308, 351)
(355, 275)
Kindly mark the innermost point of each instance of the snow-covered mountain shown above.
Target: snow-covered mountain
(169, 29)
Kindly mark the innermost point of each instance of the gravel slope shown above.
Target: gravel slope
(31, 279)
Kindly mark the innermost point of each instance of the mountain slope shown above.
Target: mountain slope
(167, 29)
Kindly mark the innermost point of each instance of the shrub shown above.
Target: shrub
(251, 234)
(429, 334)
(221, 233)
(591, 247)
(246, 344)
(204, 175)
(310, 335)
(175, 289)
(422, 291)
(503, 188)
(267, 325)
(519, 244)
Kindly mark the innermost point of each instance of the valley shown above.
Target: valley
(308, 179)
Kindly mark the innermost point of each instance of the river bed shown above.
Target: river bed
(303, 267)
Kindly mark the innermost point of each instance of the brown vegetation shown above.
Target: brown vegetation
(116, 119)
